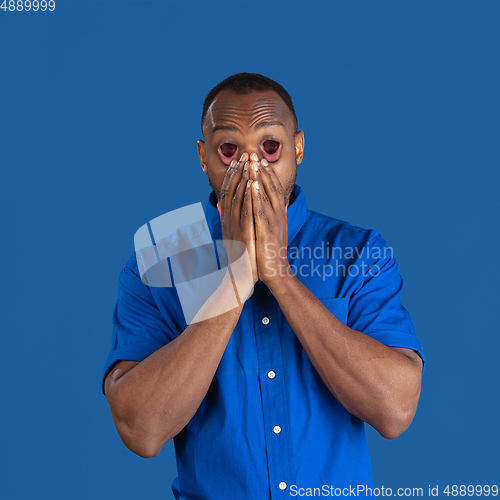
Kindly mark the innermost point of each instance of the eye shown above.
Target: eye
(227, 151)
(271, 149)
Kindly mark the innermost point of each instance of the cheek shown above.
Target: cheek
(216, 174)
(285, 169)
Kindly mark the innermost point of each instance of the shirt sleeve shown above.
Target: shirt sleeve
(139, 329)
(375, 307)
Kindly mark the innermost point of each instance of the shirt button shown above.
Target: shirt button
(277, 429)
(265, 320)
(271, 374)
(282, 485)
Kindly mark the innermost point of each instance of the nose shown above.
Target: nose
(251, 149)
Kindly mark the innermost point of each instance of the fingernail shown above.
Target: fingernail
(256, 167)
(254, 157)
(244, 157)
(232, 164)
(245, 168)
(256, 184)
(264, 163)
(249, 182)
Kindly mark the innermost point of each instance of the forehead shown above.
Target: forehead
(231, 108)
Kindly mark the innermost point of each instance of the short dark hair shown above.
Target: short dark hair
(244, 83)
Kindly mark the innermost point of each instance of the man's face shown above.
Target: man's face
(259, 122)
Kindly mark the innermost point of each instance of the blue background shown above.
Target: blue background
(100, 105)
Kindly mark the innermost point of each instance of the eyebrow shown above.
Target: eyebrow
(232, 128)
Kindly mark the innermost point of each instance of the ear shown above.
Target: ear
(299, 146)
(202, 153)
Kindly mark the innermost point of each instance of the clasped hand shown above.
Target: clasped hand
(252, 210)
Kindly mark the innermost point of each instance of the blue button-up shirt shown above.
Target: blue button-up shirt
(268, 424)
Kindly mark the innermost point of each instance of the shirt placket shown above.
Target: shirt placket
(273, 395)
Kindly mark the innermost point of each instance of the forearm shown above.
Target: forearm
(152, 402)
(372, 381)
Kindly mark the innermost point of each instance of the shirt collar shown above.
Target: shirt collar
(296, 214)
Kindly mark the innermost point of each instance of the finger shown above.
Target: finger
(234, 178)
(223, 187)
(238, 196)
(265, 201)
(233, 199)
(248, 227)
(270, 195)
(247, 222)
(259, 212)
(273, 186)
(227, 193)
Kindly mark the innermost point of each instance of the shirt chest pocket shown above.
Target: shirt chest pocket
(339, 308)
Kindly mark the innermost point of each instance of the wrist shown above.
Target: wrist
(280, 282)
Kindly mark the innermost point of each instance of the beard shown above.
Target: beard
(288, 187)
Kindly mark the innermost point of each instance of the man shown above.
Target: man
(271, 396)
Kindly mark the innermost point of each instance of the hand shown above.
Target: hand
(235, 209)
(271, 228)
